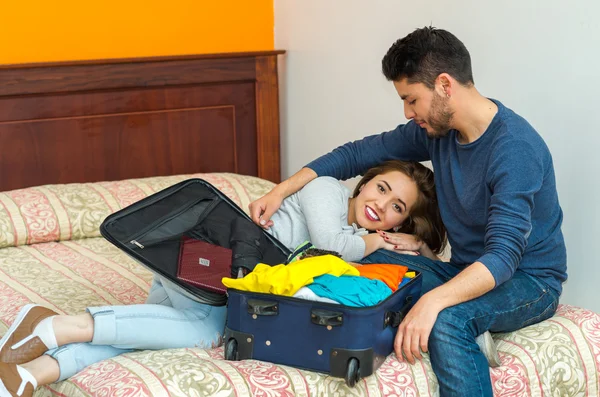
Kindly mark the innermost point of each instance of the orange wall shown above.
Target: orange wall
(59, 30)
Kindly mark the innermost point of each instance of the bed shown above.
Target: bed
(81, 140)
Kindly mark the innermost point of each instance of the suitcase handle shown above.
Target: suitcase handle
(326, 317)
(262, 308)
(394, 319)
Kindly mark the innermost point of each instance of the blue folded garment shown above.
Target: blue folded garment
(350, 290)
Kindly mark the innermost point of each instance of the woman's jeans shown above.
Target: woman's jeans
(169, 319)
(462, 370)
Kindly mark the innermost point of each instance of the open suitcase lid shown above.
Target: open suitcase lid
(151, 231)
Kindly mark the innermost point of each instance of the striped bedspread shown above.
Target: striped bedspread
(51, 253)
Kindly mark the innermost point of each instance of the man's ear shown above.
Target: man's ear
(443, 85)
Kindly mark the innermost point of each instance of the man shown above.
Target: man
(496, 189)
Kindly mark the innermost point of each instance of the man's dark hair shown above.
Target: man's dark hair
(426, 53)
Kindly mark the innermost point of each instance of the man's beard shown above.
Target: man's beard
(439, 117)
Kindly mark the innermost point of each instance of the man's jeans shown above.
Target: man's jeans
(461, 368)
(168, 320)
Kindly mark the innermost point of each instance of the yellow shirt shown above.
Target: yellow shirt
(287, 280)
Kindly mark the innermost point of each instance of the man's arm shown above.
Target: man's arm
(517, 171)
(406, 142)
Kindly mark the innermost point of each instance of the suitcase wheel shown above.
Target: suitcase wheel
(231, 352)
(352, 372)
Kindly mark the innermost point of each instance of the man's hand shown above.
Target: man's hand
(262, 209)
(413, 332)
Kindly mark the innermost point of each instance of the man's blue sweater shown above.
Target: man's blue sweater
(497, 195)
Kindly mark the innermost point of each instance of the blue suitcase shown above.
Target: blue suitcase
(345, 342)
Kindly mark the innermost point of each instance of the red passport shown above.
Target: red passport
(204, 265)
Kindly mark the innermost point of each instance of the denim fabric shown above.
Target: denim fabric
(461, 368)
(168, 320)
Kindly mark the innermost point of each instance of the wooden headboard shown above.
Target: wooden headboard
(128, 118)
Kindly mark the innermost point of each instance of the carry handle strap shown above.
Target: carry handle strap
(326, 317)
(394, 319)
(261, 307)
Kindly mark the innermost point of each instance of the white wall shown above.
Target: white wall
(540, 58)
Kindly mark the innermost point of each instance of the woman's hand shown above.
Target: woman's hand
(387, 245)
(407, 244)
(402, 241)
(262, 209)
(375, 241)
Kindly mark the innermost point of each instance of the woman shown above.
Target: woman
(395, 196)
(42, 347)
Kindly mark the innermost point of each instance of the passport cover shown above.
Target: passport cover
(204, 265)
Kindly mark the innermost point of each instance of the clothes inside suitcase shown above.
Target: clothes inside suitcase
(346, 342)
(152, 229)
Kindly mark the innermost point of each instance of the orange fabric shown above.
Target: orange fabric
(391, 275)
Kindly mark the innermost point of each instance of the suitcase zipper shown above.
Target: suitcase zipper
(136, 243)
(135, 240)
(139, 235)
(174, 237)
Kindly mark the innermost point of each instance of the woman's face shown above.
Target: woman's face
(385, 201)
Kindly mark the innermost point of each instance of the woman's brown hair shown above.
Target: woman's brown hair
(425, 220)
